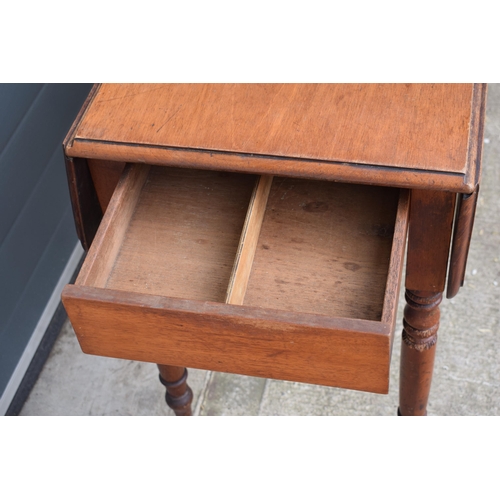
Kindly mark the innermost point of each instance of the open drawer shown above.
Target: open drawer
(283, 278)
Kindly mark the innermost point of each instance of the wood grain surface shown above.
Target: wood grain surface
(105, 176)
(429, 236)
(108, 241)
(418, 351)
(248, 242)
(353, 354)
(338, 131)
(183, 236)
(84, 201)
(462, 234)
(324, 248)
(398, 251)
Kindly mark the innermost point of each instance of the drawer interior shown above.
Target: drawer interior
(305, 246)
(324, 248)
(183, 235)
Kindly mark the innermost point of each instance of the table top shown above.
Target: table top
(406, 135)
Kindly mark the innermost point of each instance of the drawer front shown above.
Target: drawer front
(236, 339)
(279, 278)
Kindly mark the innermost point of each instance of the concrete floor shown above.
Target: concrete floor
(466, 377)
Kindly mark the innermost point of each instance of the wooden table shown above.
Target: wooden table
(261, 229)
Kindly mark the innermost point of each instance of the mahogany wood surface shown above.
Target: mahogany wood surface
(286, 167)
(353, 354)
(398, 252)
(248, 242)
(324, 248)
(476, 136)
(105, 248)
(418, 349)
(431, 223)
(183, 236)
(178, 395)
(86, 209)
(105, 176)
(83, 110)
(378, 133)
(462, 234)
(84, 200)
(431, 217)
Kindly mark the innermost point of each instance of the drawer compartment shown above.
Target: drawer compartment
(183, 235)
(324, 248)
(282, 278)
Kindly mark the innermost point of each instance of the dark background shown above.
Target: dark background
(37, 234)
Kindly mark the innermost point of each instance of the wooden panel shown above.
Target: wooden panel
(397, 257)
(111, 233)
(418, 126)
(184, 234)
(272, 165)
(248, 241)
(476, 136)
(462, 234)
(86, 209)
(105, 175)
(431, 222)
(83, 110)
(324, 248)
(237, 339)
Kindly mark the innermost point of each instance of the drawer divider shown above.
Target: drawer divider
(397, 255)
(248, 242)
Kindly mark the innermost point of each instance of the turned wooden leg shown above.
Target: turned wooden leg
(418, 347)
(179, 395)
(431, 222)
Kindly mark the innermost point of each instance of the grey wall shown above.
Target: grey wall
(37, 233)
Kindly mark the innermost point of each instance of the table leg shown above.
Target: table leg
(431, 221)
(179, 395)
(418, 347)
